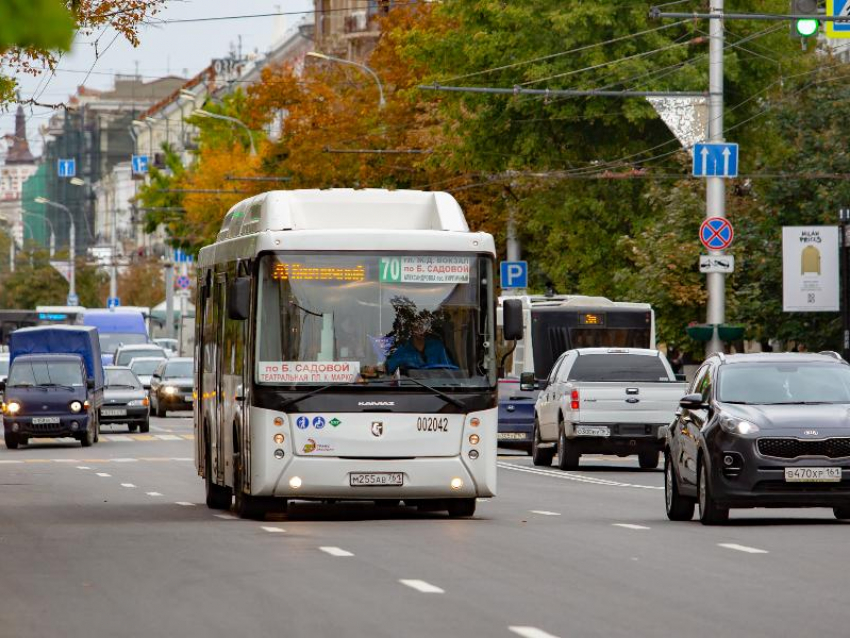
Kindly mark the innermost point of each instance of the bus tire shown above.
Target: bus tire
(542, 457)
(461, 507)
(11, 440)
(218, 497)
(245, 505)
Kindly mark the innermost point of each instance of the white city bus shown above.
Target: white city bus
(346, 350)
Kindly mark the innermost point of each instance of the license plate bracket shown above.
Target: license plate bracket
(376, 479)
(812, 474)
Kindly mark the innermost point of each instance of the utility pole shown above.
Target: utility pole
(11, 253)
(715, 191)
(844, 217)
(169, 299)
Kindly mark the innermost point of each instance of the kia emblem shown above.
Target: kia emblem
(810, 432)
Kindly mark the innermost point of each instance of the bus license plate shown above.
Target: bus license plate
(113, 412)
(45, 420)
(812, 474)
(375, 479)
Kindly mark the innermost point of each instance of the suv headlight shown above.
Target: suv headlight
(76, 406)
(738, 426)
(13, 407)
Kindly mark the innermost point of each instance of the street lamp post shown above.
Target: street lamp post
(72, 275)
(52, 244)
(362, 67)
(227, 118)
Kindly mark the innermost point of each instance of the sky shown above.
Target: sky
(177, 49)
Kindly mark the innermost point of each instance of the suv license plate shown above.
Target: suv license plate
(45, 420)
(375, 479)
(586, 430)
(812, 474)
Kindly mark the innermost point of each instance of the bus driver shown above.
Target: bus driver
(421, 350)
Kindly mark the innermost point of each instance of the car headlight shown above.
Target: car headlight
(76, 406)
(169, 389)
(13, 407)
(137, 402)
(738, 426)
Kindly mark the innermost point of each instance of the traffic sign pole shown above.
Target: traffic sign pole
(715, 192)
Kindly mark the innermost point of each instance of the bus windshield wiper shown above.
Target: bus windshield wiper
(449, 398)
(56, 385)
(322, 388)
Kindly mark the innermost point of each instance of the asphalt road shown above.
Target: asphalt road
(115, 541)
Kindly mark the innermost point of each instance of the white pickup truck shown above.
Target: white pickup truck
(604, 401)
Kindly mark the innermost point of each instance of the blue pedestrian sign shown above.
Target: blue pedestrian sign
(67, 167)
(514, 274)
(838, 9)
(715, 160)
(140, 164)
(113, 302)
(182, 257)
(73, 300)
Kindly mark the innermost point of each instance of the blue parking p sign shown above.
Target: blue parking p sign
(514, 274)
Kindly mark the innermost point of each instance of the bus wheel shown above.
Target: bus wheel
(461, 507)
(218, 497)
(245, 505)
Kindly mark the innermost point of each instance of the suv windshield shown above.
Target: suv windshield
(340, 318)
(46, 373)
(176, 369)
(776, 383)
(619, 367)
(122, 378)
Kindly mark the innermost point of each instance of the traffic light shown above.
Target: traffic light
(805, 27)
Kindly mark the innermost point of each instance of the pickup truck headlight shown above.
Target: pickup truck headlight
(137, 402)
(76, 406)
(738, 426)
(13, 407)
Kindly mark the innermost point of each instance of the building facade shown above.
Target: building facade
(18, 165)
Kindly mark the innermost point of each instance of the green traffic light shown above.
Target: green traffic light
(806, 28)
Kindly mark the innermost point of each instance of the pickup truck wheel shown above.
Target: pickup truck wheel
(709, 512)
(11, 440)
(679, 508)
(542, 457)
(568, 456)
(648, 460)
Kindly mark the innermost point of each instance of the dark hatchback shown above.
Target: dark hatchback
(761, 430)
(125, 400)
(516, 415)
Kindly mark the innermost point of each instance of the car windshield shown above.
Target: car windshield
(619, 367)
(176, 369)
(110, 341)
(338, 318)
(127, 355)
(124, 378)
(24, 373)
(778, 383)
(146, 366)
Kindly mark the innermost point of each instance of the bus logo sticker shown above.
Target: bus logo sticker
(309, 446)
(335, 422)
(319, 422)
(302, 422)
(377, 428)
(312, 446)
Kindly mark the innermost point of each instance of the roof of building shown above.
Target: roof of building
(20, 153)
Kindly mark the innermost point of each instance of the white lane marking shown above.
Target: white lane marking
(121, 438)
(189, 458)
(421, 585)
(274, 530)
(153, 493)
(64, 460)
(226, 517)
(629, 526)
(335, 551)
(104, 474)
(124, 460)
(168, 437)
(545, 513)
(83, 467)
(12, 462)
(127, 485)
(156, 428)
(185, 504)
(569, 476)
(743, 548)
(531, 632)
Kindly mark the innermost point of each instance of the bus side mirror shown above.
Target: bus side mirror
(239, 299)
(512, 327)
(526, 381)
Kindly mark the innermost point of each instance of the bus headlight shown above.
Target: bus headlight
(13, 407)
(456, 483)
(295, 482)
(76, 406)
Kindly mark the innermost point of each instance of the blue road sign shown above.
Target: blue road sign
(837, 8)
(73, 300)
(182, 257)
(113, 302)
(715, 160)
(514, 274)
(140, 164)
(67, 167)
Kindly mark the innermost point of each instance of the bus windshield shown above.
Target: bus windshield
(371, 318)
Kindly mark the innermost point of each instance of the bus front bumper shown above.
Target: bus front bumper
(360, 479)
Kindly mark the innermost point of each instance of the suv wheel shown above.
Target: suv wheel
(679, 508)
(709, 512)
(542, 457)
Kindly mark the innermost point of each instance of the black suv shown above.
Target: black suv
(761, 430)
